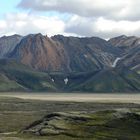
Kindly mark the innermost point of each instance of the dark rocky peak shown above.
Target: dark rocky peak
(31, 36)
(11, 36)
(8, 43)
(95, 43)
(124, 41)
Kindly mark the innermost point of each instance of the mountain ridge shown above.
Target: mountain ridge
(89, 64)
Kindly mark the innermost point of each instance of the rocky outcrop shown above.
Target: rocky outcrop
(88, 125)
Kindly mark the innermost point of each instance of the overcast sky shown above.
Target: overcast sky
(103, 18)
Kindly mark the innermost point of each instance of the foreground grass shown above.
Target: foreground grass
(16, 114)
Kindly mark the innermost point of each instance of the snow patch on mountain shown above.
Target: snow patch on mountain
(115, 62)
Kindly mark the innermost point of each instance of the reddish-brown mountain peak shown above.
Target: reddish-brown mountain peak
(33, 36)
(42, 53)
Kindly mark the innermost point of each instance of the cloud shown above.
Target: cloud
(112, 9)
(24, 24)
(105, 28)
(103, 18)
(81, 26)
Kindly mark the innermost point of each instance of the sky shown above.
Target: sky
(102, 18)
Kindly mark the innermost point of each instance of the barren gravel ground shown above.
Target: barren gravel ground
(78, 97)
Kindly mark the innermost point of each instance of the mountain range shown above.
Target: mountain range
(69, 64)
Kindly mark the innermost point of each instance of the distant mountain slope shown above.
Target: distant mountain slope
(18, 77)
(41, 53)
(66, 54)
(21, 77)
(70, 64)
(111, 80)
(132, 60)
(8, 43)
(88, 53)
(131, 51)
(126, 43)
(7, 84)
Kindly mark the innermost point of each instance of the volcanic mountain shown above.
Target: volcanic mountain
(69, 64)
(8, 44)
(131, 51)
(65, 54)
(41, 53)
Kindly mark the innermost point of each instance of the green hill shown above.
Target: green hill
(16, 76)
(109, 80)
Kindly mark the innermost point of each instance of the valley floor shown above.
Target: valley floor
(69, 117)
(78, 97)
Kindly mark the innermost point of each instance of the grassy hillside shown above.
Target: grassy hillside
(9, 85)
(110, 80)
(118, 79)
(15, 76)
(101, 125)
(19, 75)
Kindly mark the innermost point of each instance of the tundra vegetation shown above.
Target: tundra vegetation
(22, 119)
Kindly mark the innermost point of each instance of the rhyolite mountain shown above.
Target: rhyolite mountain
(67, 54)
(42, 53)
(126, 43)
(88, 54)
(131, 50)
(8, 44)
(69, 64)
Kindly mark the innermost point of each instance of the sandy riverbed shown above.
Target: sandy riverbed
(77, 97)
